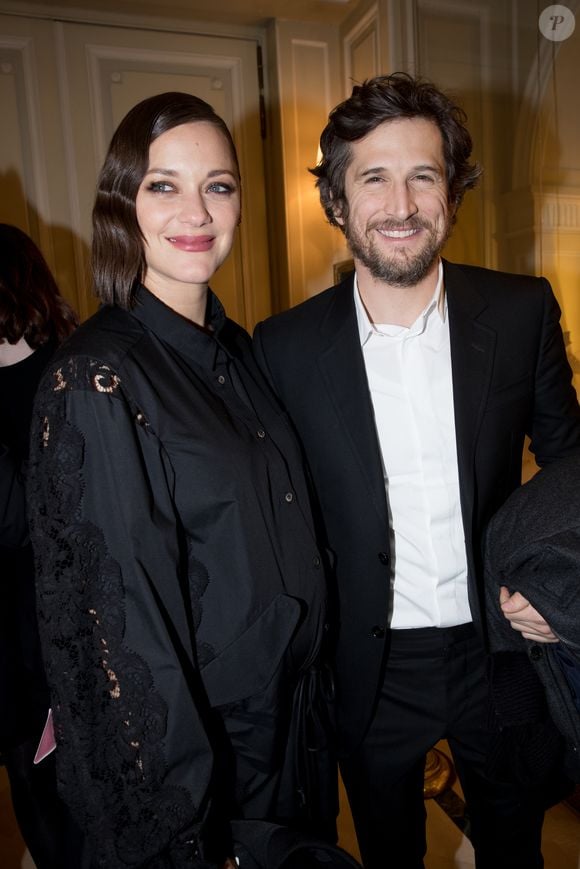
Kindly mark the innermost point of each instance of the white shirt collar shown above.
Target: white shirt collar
(438, 303)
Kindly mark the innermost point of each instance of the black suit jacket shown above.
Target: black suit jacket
(510, 378)
(532, 545)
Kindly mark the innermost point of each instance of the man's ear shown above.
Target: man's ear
(336, 210)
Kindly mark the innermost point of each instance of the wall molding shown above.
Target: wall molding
(367, 26)
(36, 180)
(132, 21)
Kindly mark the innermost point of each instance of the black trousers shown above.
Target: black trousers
(434, 688)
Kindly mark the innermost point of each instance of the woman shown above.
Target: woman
(182, 598)
(34, 318)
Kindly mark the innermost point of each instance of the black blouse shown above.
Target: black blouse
(178, 575)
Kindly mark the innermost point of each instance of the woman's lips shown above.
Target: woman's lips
(194, 243)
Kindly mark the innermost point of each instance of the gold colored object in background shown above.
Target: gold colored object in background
(438, 772)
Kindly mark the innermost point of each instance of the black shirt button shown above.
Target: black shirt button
(261, 433)
(377, 633)
(316, 561)
(383, 558)
(289, 497)
(221, 379)
(536, 652)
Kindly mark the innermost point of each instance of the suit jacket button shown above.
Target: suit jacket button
(536, 652)
(377, 633)
(383, 558)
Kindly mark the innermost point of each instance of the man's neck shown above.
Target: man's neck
(397, 306)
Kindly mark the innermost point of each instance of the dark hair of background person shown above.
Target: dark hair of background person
(389, 98)
(118, 256)
(31, 306)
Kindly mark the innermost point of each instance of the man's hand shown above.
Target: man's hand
(524, 618)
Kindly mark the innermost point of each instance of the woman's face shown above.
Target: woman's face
(188, 207)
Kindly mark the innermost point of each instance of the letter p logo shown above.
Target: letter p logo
(557, 23)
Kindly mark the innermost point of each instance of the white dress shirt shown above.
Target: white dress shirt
(410, 382)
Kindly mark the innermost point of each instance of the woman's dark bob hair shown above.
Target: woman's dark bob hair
(31, 306)
(118, 255)
(390, 98)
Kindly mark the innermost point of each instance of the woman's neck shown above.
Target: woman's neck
(10, 354)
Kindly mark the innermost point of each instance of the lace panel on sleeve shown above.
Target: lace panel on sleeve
(110, 721)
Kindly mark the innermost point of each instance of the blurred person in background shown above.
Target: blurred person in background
(34, 319)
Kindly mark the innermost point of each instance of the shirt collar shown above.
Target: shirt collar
(437, 304)
(190, 339)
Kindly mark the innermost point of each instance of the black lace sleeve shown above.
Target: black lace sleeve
(132, 755)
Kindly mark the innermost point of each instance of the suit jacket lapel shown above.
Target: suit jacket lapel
(342, 366)
(472, 355)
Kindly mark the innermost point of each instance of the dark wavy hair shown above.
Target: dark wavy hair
(389, 98)
(31, 306)
(118, 254)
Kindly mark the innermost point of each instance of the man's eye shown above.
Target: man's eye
(424, 180)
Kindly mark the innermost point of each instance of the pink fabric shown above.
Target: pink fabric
(47, 742)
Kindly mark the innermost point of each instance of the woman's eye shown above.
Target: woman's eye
(160, 187)
(220, 187)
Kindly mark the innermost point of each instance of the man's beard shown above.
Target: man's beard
(402, 269)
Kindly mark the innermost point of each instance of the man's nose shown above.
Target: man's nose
(401, 201)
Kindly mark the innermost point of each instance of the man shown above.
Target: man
(412, 386)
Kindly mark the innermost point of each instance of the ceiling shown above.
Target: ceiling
(247, 12)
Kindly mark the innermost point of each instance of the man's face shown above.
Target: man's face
(399, 216)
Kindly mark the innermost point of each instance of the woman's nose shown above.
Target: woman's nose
(194, 210)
